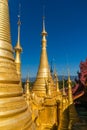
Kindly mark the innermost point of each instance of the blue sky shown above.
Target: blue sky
(66, 24)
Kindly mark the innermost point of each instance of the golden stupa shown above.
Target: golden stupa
(43, 108)
(43, 75)
(56, 112)
(14, 112)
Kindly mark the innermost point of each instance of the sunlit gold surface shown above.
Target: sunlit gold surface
(56, 81)
(27, 91)
(51, 109)
(18, 50)
(57, 109)
(39, 86)
(14, 112)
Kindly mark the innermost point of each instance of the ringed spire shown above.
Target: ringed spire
(39, 86)
(44, 33)
(18, 48)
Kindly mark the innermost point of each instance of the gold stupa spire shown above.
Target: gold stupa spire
(14, 112)
(27, 86)
(48, 87)
(70, 90)
(64, 93)
(56, 80)
(27, 91)
(44, 70)
(18, 49)
(57, 84)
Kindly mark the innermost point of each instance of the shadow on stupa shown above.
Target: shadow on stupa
(68, 118)
(54, 127)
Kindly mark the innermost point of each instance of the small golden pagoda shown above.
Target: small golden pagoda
(56, 80)
(63, 92)
(39, 86)
(14, 111)
(27, 90)
(18, 50)
(27, 86)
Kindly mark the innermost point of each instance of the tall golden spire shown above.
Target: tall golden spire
(64, 93)
(48, 87)
(56, 80)
(44, 70)
(14, 112)
(57, 84)
(70, 90)
(27, 89)
(18, 49)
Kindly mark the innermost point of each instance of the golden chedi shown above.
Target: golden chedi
(56, 81)
(14, 112)
(27, 91)
(39, 86)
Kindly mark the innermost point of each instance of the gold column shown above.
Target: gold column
(14, 112)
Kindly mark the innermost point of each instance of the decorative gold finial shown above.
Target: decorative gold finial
(64, 93)
(48, 87)
(44, 33)
(43, 30)
(39, 86)
(27, 85)
(56, 80)
(27, 90)
(69, 89)
(18, 48)
(19, 15)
